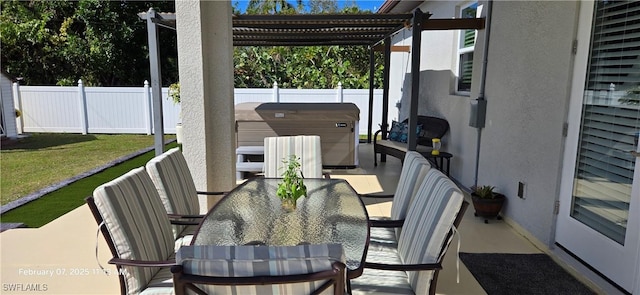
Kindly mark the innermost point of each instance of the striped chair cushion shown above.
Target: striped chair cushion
(251, 261)
(138, 224)
(305, 147)
(375, 281)
(172, 178)
(414, 169)
(428, 221)
(160, 284)
(382, 237)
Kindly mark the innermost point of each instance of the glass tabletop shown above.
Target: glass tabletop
(251, 213)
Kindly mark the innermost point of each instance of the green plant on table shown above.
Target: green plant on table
(292, 187)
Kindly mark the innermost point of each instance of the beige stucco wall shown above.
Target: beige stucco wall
(205, 57)
(527, 91)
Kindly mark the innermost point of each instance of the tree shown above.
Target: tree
(273, 7)
(104, 43)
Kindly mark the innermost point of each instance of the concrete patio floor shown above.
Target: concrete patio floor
(60, 257)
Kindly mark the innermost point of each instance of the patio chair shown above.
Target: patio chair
(305, 147)
(302, 269)
(387, 230)
(174, 183)
(413, 266)
(134, 223)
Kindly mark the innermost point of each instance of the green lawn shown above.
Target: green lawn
(45, 159)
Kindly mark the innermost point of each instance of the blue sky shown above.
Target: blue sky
(372, 5)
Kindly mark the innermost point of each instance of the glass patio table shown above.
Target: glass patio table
(252, 213)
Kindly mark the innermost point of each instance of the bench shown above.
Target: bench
(432, 127)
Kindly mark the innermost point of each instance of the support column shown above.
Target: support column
(205, 58)
(156, 86)
(372, 73)
(385, 90)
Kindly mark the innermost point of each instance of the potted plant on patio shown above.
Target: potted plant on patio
(292, 187)
(487, 202)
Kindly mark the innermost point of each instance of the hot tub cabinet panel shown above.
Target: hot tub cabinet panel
(335, 123)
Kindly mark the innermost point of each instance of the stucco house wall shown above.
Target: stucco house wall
(8, 108)
(527, 91)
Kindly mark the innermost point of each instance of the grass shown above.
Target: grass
(40, 160)
(46, 159)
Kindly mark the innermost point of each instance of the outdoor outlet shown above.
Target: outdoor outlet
(521, 189)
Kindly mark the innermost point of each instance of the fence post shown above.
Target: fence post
(149, 111)
(276, 92)
(339, 94)
(17, 101)
(82, 97)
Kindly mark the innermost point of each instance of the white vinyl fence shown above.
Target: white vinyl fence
(114, 110)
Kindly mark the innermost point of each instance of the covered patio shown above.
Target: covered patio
(373, 30)
(61, 256)
(209, 149)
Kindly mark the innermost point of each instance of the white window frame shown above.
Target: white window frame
(464, 50)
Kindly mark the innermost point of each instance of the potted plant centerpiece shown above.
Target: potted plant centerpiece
(486, 202)
(292, 187)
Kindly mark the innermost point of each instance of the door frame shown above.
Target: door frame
(580, 67)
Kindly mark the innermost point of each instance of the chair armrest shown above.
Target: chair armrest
(381, 196)
(386, 223)
(211, 193)
(184, 216)
(404, 267)
(375, 136)
(183, 222)
(142, 263)
(185, 219)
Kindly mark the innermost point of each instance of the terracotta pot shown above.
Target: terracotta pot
(488, 208)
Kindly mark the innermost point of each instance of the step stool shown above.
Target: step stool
(242, 166)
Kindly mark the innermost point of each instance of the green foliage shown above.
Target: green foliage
(632, 97)
(273, 7)
(102, 42)
(306, 67)
(484, 191)
(174, 92)
(292, 186)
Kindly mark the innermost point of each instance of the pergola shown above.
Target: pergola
(373, 30)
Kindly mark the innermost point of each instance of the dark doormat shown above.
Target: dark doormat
(521, 274)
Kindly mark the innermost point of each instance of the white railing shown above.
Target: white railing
(80, 109)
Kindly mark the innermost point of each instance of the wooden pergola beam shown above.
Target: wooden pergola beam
(454, 24)
(395, 48)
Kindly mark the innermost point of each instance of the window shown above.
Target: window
(465, 50)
